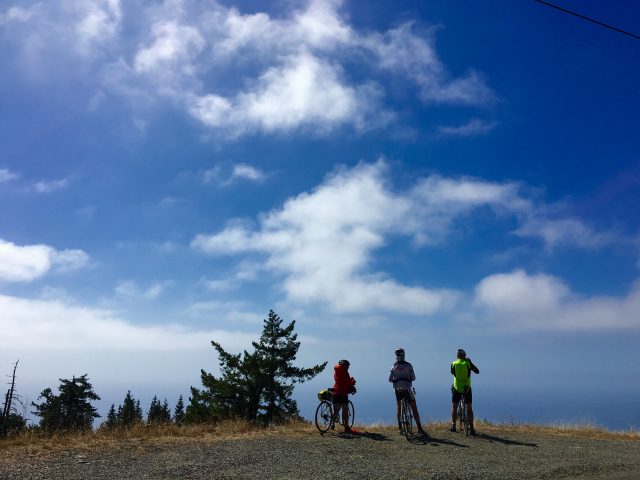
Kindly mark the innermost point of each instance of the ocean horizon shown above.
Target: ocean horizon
(608, 410)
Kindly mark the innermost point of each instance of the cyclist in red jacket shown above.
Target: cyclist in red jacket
(343, 386)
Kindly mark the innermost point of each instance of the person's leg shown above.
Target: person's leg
(469, 399)
(398, 414)
(416, 415)
(345, 415)
(470, 416)
(455, 398)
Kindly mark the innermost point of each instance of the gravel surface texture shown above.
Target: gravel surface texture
(378, 453)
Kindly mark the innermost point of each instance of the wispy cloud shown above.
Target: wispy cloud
(230, 313)
(30, 262)
(229, 174)
(555, 232)
(17, 14)
(472, 128)
(7, 175)
(50, 186)
(130, 288)
(273, 74)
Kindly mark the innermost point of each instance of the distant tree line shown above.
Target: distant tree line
(256, 386)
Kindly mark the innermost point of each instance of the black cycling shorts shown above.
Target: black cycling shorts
(455, 395)
(340, 399)
(402, 393)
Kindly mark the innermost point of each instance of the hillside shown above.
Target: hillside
(300, 452)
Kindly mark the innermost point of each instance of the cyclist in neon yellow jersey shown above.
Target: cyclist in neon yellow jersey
(461, 370)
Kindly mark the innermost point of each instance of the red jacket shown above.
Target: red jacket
(343, 382)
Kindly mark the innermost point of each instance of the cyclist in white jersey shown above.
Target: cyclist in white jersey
(402, 376)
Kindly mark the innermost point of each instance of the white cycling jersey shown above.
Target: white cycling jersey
(402, 375)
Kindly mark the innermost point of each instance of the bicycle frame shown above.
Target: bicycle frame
(406, 415)
(327, 415)
(462, 415)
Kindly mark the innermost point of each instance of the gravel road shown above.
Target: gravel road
(376, 453)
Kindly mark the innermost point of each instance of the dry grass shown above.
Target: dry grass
(39, 444)
(586, 430)
(32, 443)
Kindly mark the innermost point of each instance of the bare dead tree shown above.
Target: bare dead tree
(8, 400)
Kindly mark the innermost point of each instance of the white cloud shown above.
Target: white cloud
(520, 293)
(564, 231)
(303, 91)
(50, 186)
(17, 14)
(242, 273)
(404, 52)
(518, 301)
(174, 46)
(239, 74)
(99, 20)
(130, 288)
(45, 325)
(7, 175)
(247, 172)
(324, 249)
(233, 173)
(229, 313)
(472, 128)
(30, 262)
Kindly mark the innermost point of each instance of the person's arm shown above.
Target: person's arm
(453, 370)
(392, 376)
(412, 375)
(473, 368)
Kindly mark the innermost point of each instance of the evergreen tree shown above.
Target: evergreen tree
(165, 412)
(276, 352)
(159, 412)
(138, 410)
(255, 385)
(178, 413)
(153, 416)
(129, 412)
(71, 409)
(112, 418)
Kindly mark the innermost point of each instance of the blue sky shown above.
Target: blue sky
(433, 176)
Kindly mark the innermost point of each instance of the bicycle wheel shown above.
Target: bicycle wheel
(464, 421)
(324, 416)
(406, 417)
(352, 413)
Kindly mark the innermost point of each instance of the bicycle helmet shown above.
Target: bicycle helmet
(344, 363)
(399, 354)
(461, 353)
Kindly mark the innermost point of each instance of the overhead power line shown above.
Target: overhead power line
(597, 22)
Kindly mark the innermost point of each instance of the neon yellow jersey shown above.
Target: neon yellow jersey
(461, 371)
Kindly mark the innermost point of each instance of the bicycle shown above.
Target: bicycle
(462, 414)
(327, 416)
(406, 414)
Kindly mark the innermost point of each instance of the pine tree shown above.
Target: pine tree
(112, 418)
(138, 411)
(165, 412)
(71, 409)
(153, 416)
(253, 386)
(178, 413)
(129, 412)
(277, 351)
